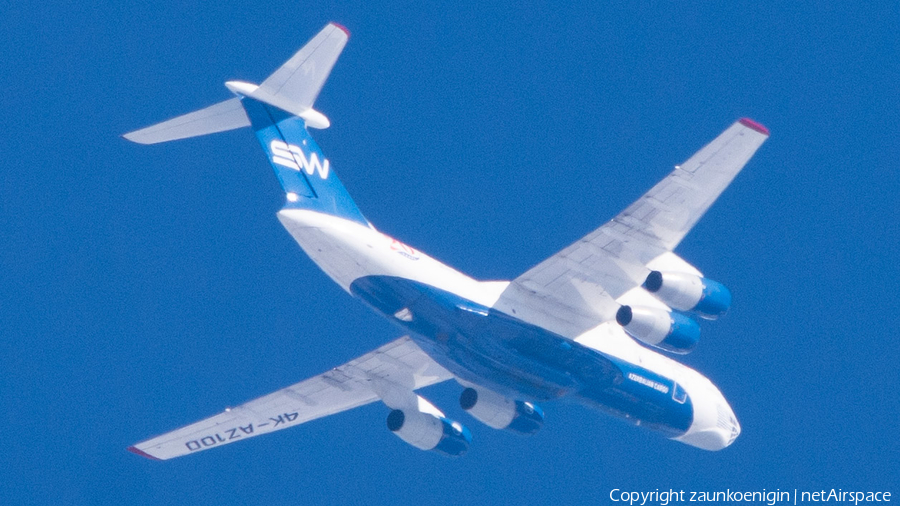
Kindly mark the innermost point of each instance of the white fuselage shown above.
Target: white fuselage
(348, 251)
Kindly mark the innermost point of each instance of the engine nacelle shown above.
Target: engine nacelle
(672, 332)
(686, 292)
(498, 412)
(429, 432)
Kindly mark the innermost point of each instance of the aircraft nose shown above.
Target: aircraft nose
(727, 423)
(715, 427)
(735, 429)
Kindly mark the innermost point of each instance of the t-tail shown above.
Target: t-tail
(280, 111)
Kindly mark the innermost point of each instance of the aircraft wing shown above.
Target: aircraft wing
(575, 289)
(339, 389)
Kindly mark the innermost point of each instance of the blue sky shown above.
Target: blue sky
(144, 288)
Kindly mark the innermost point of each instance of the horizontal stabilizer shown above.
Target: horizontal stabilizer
(296, 84)
(294, 88)
(220, 117)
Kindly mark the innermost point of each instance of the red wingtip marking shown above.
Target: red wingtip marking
(135, 451)
(749, 123)
(342, 27)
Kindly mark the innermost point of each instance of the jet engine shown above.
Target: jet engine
(672, 332)
(498, 412)
(429, 432)
(686, 292)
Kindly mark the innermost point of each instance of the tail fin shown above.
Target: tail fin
(279, 110)
(304, 172)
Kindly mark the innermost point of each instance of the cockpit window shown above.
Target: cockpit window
(679, 395)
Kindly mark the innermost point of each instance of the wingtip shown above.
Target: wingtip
(130, 136)
(749, 123)
(342, 27)
(136, 451)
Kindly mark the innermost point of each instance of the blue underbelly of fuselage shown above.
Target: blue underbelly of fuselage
(522, 361)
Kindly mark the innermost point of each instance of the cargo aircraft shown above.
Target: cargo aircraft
(596, 322)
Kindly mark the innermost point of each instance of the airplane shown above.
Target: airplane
(594, 323)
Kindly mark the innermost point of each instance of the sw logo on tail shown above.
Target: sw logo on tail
(292, 157)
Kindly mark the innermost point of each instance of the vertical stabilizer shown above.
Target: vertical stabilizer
(280, 110)
(303, 171)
